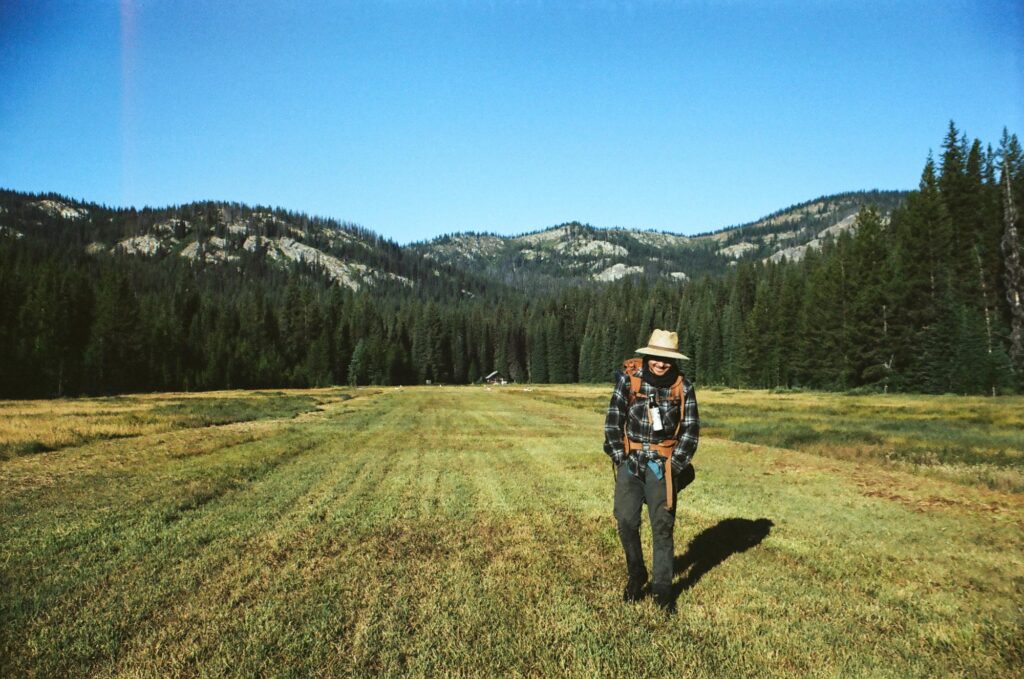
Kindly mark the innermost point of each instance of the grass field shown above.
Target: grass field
(466, 531)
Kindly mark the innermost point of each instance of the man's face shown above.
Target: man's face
(658, 367)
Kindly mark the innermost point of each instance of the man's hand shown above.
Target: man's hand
(679, 464)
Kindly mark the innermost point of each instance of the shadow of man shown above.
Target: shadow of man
(716, 544)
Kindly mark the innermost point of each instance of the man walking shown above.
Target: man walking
(651, 433)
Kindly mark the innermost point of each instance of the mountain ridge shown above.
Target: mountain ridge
(572, 253)
(587, 252)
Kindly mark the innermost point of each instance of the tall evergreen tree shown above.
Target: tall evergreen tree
(871, 304)
(538, 351)
(114, 355)
(1014, 271)
(923, 251)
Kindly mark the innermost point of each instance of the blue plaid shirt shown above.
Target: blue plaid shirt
(633, 417)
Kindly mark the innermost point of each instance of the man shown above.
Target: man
(652, 418)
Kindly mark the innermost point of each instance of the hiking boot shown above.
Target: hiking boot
(664, 599)
(634, 590)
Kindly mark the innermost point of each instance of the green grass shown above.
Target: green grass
(467, 532)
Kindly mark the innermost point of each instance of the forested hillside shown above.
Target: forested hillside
(922, 294)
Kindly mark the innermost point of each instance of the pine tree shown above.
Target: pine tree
(788, 315)
(588, 368)
(1013, 272)
(113, 356)
(760, 359)
(318, 366)
(606, 358)
(969, 372)
(923, 252)
(733, 339)
(957, 195)
(421, 349)
(517, 353)
(359, 368)
(501, 357)
(538, 351)
(871, 343)
(826, 333)
(458, 350)
(558, 350)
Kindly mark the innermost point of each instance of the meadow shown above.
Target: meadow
(467, 531)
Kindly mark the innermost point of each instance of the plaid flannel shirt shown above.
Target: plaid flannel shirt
(633, 418)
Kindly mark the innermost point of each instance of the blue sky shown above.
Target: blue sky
(420, 118)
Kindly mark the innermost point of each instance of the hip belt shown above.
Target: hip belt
(664, 450)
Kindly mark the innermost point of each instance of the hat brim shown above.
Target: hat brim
(664, 353)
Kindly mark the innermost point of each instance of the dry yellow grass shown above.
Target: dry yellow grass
(28, 427)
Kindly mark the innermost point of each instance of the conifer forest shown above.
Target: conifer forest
(926, 298)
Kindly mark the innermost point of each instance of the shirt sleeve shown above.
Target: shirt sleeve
(689, 431)
(615, 420)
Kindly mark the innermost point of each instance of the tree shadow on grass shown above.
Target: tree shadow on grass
(716, 544)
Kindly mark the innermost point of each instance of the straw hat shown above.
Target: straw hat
(663, 343)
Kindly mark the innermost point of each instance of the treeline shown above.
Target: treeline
(928, 300)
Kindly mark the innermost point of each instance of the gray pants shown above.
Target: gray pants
(630, 494)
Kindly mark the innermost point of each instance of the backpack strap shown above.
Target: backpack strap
(631, 367)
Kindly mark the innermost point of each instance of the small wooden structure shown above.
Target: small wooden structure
(496, 378)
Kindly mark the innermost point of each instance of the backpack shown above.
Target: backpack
(631, 367)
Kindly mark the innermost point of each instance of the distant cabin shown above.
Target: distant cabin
(496, 378)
